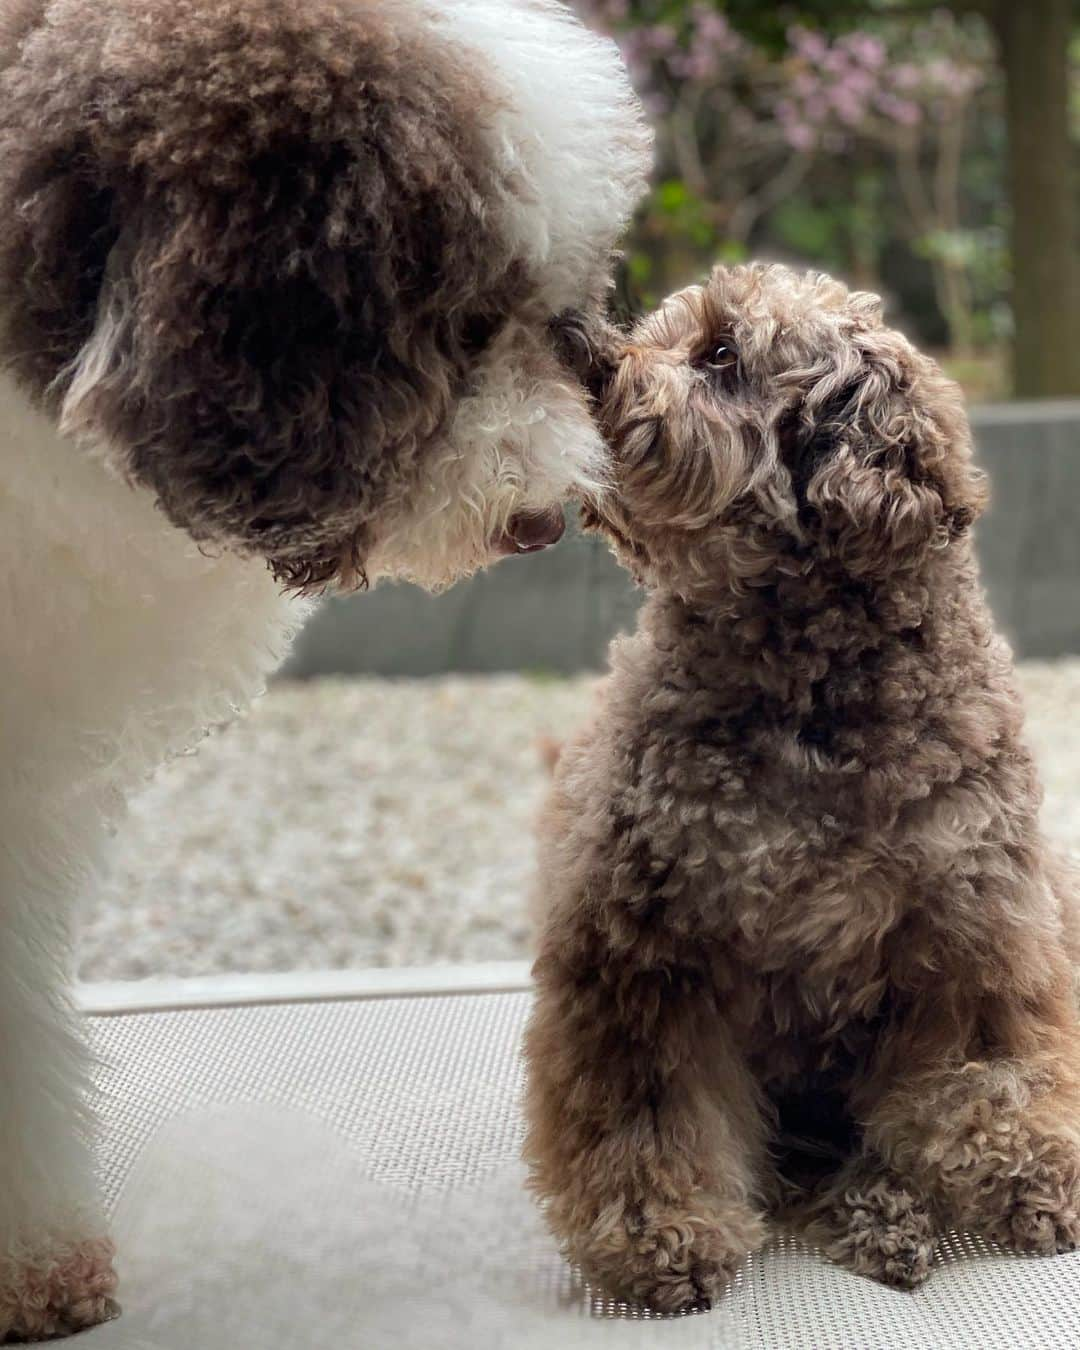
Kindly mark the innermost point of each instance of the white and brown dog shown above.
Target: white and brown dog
(279, 300)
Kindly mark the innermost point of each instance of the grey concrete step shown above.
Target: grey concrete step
(558, 611)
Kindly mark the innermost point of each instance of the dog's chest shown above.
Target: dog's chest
(70, 520)
(121, 638)
(789, 890)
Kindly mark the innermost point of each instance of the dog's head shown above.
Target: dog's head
(769, 419)
(293, 267)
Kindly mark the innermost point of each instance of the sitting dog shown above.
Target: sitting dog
(280, 288)
(797, 898)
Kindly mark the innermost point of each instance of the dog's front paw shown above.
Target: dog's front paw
(669, 1259)
(56, 1290)
(1043, 1212)
(882, 1231)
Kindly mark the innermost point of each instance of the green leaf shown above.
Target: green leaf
(673, 195)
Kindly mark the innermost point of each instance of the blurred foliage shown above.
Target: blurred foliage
(872, 146)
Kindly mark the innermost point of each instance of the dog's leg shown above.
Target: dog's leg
(993, 1138)
(645, 1133)
(56, 1273)
(875, 1224)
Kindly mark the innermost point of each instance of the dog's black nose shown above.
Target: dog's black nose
(531, 531)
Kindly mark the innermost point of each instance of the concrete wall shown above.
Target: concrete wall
(558, 611)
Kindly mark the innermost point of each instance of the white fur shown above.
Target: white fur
(523, 440)
(571, 132)
(571, 128)
(123, 642)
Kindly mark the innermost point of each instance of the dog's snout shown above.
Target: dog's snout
(532, 531)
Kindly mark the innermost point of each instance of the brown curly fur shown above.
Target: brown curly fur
(43, 1297)
(802, 929)
(282, 221)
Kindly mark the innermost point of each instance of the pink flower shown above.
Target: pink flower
(900, 110)
(867, 49)
(800, 136)
(711, 26)
(816, 109)
(905, 75)
(835, 61)
(695, 65)
(808, 43)
(860, 82)
(848, 108)
(662, 37)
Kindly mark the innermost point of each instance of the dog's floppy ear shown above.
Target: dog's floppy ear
(250, 250)
(880, 462)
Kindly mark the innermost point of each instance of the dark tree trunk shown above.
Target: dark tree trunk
(1034, 39)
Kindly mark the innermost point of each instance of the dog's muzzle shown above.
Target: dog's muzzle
(531, 531)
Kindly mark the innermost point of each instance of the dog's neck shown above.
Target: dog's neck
(818, 650)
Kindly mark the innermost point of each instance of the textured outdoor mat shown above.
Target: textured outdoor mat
(334, 1175)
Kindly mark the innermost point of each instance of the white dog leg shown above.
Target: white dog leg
(120, 643)
(56, 1271)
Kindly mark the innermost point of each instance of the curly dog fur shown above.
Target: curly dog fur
(282, 289)
(805, 948)
(278, 261)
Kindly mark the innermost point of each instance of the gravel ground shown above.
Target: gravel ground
(375, 822)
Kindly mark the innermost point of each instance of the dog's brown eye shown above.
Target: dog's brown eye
(721, 356)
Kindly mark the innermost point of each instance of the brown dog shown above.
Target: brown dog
(798, 898)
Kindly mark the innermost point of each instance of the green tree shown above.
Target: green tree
(1033, 40)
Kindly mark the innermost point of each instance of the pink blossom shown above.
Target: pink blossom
(696, 65)
(634, 56)
(662, 37)
(952, 77)
(905, 75)
(848, 107)
(900, 110)
(711, 26)
(834, 61)
(808, 43)
(804, 84)
(867, 49)
(816, 108)
(632, 45)
(800, 136)
(860, 82)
